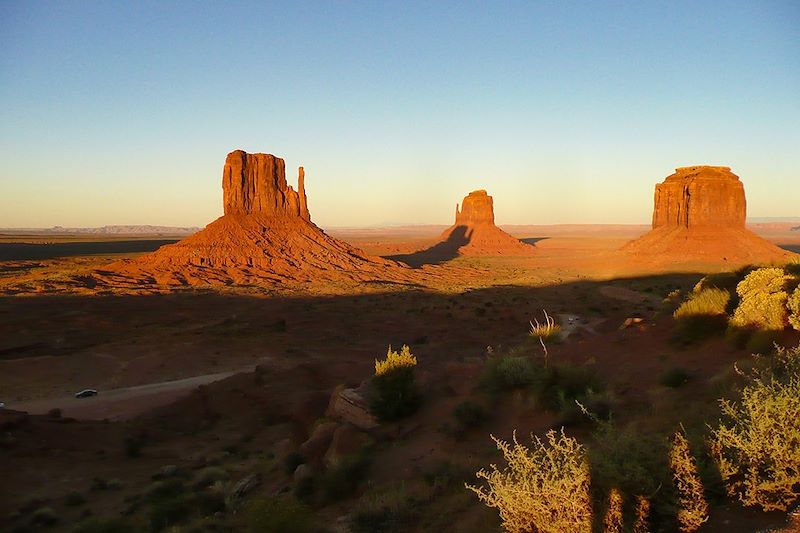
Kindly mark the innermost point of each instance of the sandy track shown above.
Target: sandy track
(123, 403)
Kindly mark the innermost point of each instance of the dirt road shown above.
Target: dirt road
(123, 403)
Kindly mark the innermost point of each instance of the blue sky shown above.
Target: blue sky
(566, 112)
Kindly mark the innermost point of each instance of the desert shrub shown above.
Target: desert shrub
(511, 372)
(384, 512)
(674, 378)
(74, 499)
(641, 524)
(705, 302)
(612, 522)
(160, 490)
(209, 475)
(703, 314)
(394, 391)
(277, 515)
(763, 300)
(757, 446)
(395, 360)
(103, 525)
(548, 330)
(544, 488)
(343, 478)
(468, 415)
(692, 506)
(793, 305)
(170, 511)
(44, 516)
(627, 459)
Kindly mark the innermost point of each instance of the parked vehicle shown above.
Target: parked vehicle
(86, 393)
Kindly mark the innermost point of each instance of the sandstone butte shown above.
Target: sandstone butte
(699, 215)
(264, 236)
(475, 234)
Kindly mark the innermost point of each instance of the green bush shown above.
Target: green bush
(511, 372)
(628, 459)
(757, 445)
(209, 475)
(342, 479)
(170, 511)
(763, 300)
(468, 415)
(44, 516)
(674, 378)
(74, 499)
(385, 512)
(277, 515)
(394, 394)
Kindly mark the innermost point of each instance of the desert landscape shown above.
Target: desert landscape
(603, 336)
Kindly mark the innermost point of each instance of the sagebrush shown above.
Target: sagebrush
(757, 445)
(544, 488)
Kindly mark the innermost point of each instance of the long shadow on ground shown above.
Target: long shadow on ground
(438, 253)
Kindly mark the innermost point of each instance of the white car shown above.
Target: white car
(86, 393)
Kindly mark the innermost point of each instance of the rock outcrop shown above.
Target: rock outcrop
(699, 216)
(264, 237)
(700, 196)
(477, 208)
(474, 232)
(256, 183)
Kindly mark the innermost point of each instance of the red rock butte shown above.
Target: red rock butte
(265, 236)
(699, 215)
(475, 234)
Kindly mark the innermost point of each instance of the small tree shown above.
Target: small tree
(757, 447)
(394, 391)
(612, 523)
(693, 509)
(543, 489)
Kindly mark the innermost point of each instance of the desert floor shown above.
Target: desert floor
(239, 377)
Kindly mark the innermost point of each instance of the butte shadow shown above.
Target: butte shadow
(474, 233)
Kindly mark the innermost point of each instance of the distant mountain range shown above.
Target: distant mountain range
(106, 230)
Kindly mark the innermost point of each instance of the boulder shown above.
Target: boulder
(318, 442)
(350, 405)
(347, 440)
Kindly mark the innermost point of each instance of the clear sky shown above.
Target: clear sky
(566, 112)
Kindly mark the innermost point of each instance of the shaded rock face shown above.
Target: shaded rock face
(700, 196)
(256, 183)
(477, 208)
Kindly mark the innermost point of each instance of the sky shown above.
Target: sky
(566, 112)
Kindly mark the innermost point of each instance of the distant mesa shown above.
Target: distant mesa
(265, 235)
(475, 234)
(699, 215)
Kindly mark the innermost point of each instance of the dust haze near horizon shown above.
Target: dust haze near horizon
(123, 113)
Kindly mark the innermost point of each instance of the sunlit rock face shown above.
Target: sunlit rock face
(477, 208)
(699, 218)
(256, 183)
(700, 196)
